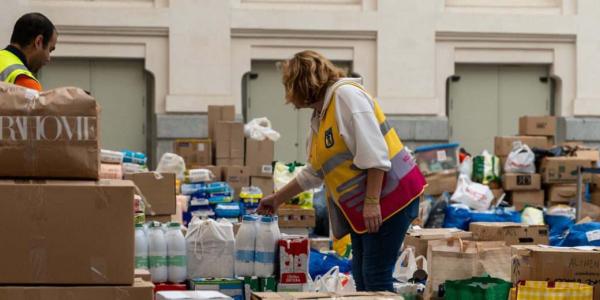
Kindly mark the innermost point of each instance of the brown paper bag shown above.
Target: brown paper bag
(52, 134)
(455, 259)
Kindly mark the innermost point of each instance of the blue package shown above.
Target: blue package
(134, 157)
(586, 234)
(227, 210)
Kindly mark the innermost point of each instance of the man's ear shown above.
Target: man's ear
(38, 43)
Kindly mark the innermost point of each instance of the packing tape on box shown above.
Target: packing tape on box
(38, 255)
(147, 203)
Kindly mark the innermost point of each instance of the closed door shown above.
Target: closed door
(266, 98)
(487, 100)
(119, 86)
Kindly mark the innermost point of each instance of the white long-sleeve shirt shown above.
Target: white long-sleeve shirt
(358, 127)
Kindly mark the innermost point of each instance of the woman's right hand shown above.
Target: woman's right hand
(268, 205)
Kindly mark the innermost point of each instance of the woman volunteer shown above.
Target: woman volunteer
(372, 182)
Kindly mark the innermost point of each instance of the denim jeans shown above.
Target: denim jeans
(374, 255)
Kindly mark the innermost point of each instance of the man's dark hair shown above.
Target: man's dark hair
(29, 26)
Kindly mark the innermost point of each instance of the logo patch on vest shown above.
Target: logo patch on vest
(329, 138)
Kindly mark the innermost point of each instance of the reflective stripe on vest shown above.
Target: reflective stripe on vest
(11, 67)
(346, 184)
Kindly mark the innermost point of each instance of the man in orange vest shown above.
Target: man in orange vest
(33, 39)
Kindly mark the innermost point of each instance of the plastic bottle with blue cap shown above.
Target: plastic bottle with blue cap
(266, 244)
(245, 243)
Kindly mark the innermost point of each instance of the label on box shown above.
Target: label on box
(201, 147)
(593, 235)
(441, 155)
(266, 169)
(524, 180)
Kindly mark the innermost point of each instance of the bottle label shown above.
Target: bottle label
(157, 261)
(177, 261)
(244, 255)
(141, 262)
(264, 257)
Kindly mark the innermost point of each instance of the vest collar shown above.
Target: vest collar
(330, 91)
(18, 53)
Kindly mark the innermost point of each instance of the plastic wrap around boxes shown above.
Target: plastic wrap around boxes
(52, 134)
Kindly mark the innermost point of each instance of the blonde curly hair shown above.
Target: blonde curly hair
(306, 77)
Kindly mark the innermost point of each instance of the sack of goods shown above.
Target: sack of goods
(210, 249)
(52, 134)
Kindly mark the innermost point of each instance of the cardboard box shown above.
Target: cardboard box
(229, 140)
(325, 296)
(420, 238)
(537, 126)
(556, 264)
(521, 182)
(216, 170)
(593, 155)
(511, 233)
(562, 193)
(293, 259)
(67, 232)
(111, 171)
(142, 274)
(259, 157)
(223, 162)
(292, 216)
(194, 151)
(266, 185)
(237, 177)
(140, 290)
(159, 190)
(595, 198)
(563, 169)
(438, 183)
(53, 134)
(595, 182)
(531, 198)
(218, 113)
(504, 144)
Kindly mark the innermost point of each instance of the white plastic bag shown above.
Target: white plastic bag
(520, 160)
(476, 196)
(403, 272)
(210, 248)
(260, 129)
(172, 163)
(335, 282)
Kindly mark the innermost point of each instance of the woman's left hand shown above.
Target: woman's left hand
(372, 216)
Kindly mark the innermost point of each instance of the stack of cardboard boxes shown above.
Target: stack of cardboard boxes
(535, 132)
(238, 161)
(64, 239)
